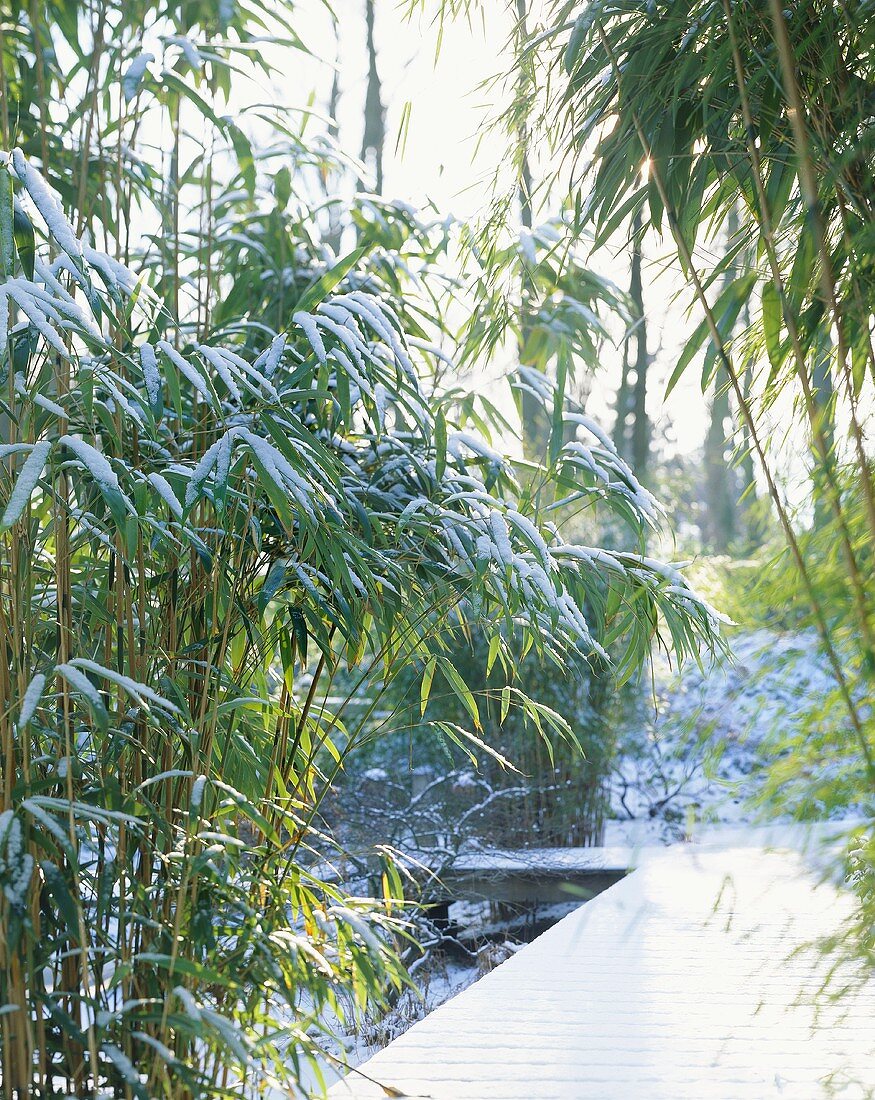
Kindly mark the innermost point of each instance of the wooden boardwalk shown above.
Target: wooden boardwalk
(543, 875)
(688, 979)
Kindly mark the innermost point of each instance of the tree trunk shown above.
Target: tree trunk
(621, 426)
(749, 511)
(374, 138)
(640, 449)
(632, 427)
(334, 233)
(721, 496)
(750, 520)
(535, 423)
(719, 482)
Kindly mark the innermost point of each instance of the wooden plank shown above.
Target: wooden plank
(688, 979)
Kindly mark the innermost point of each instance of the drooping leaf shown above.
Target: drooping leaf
(25, 484)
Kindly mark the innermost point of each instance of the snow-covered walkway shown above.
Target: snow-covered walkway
(689, 979)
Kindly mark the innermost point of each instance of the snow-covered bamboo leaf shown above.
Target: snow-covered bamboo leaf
(142, 693)
(215, 358)
(7, 228)
(165, 490)
(245, 806)
(60, 832)
(105, 478)
(152, 379)
(269, 361)
(49, 207)
(311, 330)
(214, 454)
(170, 773)
(133, 75)
(187, 371)
(80, 683)
(32, 309)
(278, 477)
(25, 483)
(16, 862)
(463, 737)
(30, 699)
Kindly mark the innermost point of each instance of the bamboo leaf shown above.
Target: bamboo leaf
(460, 689)
(56, 884)
(440, 444)
(142, 693)
(692, 346)
(505, 703)
(80, 683)
(133, 75)
(771, 306)
(30, 700)
(7, 225)
(105, 478)
(461, 736)
(319, 290)
(22, 231)
(425, 686)
(25, 483)
(494, 650)
(576, 39)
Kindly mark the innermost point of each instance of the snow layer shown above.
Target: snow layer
(698, 756)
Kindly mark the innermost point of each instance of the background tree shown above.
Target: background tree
(632, 428)
(721, 478)
(374, 137)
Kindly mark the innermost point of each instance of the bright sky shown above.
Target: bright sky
(440, 160)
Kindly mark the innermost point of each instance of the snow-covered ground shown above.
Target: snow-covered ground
(693, 751)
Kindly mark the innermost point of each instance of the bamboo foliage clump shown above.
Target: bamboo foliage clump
(189, 523)
(694, 116)
(232, 476)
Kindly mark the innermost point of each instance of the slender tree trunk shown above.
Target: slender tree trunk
(632, 427)
(640, 449)
(748, 506)
(334, 233)
(535, 426)
(621, 426)
(721, 514)
(334, 95)
(374, 138)
(719, 480)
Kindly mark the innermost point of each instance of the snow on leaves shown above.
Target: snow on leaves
(328, 424)
(47, 204)
(16, 864)
(26, 482)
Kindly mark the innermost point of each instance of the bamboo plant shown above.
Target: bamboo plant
(227, 474)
